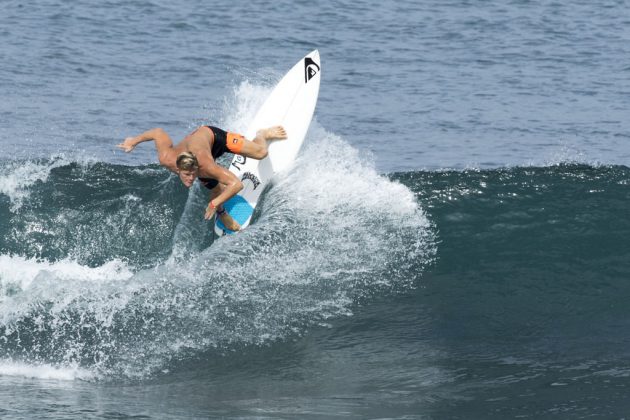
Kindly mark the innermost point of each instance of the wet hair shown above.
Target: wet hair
(187, 162)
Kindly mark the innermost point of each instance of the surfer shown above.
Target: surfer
(194, 157)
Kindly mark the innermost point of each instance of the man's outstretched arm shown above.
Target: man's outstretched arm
(163, 144)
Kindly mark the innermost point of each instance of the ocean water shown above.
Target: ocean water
(452, 241)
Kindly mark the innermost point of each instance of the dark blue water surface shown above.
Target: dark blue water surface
(451, 242)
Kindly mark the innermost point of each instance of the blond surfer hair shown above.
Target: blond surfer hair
(186, 161)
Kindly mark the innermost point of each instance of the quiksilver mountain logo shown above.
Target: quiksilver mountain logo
(311, 68)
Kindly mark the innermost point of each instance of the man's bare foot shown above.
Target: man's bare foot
(229, 222)
(276, 132)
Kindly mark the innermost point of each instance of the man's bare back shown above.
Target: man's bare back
(194, 157)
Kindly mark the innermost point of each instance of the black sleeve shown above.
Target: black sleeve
(209, 183)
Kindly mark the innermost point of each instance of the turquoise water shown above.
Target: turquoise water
(451, 243)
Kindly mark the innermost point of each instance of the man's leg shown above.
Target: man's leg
(257, 148)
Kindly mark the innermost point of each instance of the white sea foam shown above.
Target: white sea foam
(330, 232)
(43, 371)
(564, 153)
(20, 272)
(17, 177)
(241, 108)
(330, 173)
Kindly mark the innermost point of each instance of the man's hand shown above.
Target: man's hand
(128, 145)
(225, 217)
(210, 210)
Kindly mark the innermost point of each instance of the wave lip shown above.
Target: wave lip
(17, 177)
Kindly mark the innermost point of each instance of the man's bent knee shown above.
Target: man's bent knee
(261, 154)
(253, 150)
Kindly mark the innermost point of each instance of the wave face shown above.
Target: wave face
(531, 257)
(111, 270)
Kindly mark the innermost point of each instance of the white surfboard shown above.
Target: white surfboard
(291, 104)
